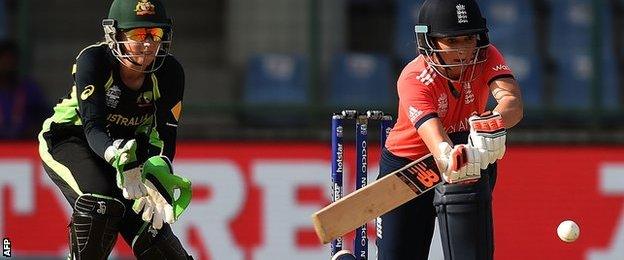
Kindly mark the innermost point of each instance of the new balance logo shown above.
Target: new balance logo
(426, 176)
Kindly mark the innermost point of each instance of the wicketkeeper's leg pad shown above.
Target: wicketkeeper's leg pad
(158, 244)
(94, 226)
(465, 218)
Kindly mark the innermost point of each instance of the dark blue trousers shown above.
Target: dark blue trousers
(464, 214)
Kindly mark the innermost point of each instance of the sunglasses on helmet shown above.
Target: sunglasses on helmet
(140, 34)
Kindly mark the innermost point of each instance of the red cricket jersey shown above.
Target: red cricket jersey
(423, 94)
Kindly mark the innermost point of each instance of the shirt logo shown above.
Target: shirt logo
(144, 7)
(426, 76)
(145, 99)
(112, 96)
(500, 67)
(468, 95)
(442, 105)
(462, 15)
(176, 110)
(414, 114)
(87, 92)
(121, 120)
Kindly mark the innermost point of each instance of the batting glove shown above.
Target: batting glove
(460, 164)
(487, 132)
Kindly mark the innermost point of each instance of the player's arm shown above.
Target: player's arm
(90, 76)
(509, 100)
(169, 108)
(457, 163)
(432, 133)
(489, 131)
(160, 205)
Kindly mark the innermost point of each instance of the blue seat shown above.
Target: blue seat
(276, 84)
(610, 83)
(405, 41)
(511, 30)
(528, 71)
(511, 24)
(572, 46)
(276, 79)
(361, 80)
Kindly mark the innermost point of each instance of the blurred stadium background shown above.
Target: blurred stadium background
(263, 77)
(256, 66)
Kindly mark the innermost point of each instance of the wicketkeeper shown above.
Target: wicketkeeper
(110, 142)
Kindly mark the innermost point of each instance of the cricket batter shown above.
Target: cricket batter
(122, 109)
(443, 95)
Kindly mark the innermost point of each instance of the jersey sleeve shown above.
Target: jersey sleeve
(169, 107)
(416, 100)
(496, 67)
(90, 76)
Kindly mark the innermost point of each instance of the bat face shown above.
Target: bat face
(377, 198)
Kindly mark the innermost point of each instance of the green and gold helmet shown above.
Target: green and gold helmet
(126, 15)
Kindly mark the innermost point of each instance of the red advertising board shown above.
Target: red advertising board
(253, 201)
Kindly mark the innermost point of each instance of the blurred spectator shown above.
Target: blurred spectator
(22, 108)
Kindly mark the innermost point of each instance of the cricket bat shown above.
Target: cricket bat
(376, 198)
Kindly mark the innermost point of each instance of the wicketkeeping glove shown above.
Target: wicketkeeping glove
(160, 205)
(122, 156)
(487, 132)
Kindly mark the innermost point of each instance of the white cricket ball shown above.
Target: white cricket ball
(568, 231)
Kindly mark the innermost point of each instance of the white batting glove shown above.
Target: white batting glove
(155, 207)
(462, 163)
(487, 132)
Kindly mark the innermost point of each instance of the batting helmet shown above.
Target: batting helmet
(451, 18)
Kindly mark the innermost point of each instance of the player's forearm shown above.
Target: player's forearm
(432, 133)
(97, 138)
(511, 110)
(509, 99)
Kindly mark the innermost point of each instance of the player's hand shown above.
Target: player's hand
(461, 164)
(155, 207)
(122, 155)
(160, 205)
(487, 132)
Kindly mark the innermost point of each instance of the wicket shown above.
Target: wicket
(360, 247)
